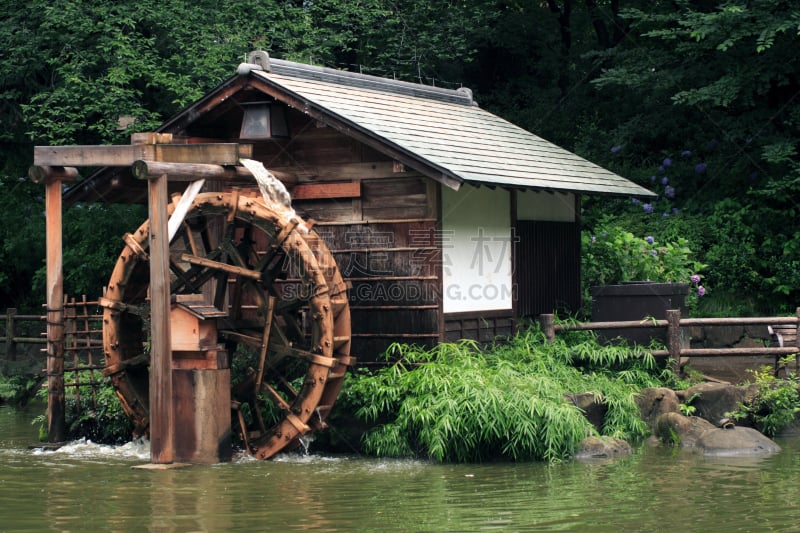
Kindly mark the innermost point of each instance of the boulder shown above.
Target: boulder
(654, 402)
(736, 441)
(715, 401)
(702, 436)
(679, 430)
(602, 448)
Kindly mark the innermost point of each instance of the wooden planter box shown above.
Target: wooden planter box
(637, 301)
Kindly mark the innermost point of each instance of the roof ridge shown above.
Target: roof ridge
(462, 95)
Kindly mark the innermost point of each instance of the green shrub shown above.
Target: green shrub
(774, 406)
(99, 418)
(455, 402)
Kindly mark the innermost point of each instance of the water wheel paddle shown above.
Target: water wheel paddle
(286, 320)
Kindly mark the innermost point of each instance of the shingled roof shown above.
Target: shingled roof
(439, 132)
(444, 129)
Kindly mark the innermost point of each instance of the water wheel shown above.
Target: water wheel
(284, 320)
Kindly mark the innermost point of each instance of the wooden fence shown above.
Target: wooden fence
(83, 341)
(676, 351)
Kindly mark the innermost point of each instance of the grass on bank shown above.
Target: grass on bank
(456, 402)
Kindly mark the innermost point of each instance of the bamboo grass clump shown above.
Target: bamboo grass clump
(458, 403)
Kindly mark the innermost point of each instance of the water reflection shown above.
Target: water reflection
(86, 487)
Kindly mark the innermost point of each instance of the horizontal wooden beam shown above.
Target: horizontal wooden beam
(196, 171)
(40, 174)
(125, 155)
(343, 171)
(321, 191)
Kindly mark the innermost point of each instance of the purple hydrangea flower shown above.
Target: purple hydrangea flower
(594, 239)
(669, 192)
(664, 180)
(661, 169)
(650, 239)
(634, 201)
(653, 253)
(665, 214)
(647, 208)
(700, 168)
(712, 144)
(652, 178)
(701, 290)
(615, 149)
(686, 153)
(667, 162)
(695, 279)
(675, 210)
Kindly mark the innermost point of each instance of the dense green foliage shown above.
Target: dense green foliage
(775, 405)
(707, 88)
(97, 415)
(696, 100)
(456, 402)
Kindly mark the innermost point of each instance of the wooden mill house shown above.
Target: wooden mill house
(446, 221)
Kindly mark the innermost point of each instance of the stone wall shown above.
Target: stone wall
(733, 369)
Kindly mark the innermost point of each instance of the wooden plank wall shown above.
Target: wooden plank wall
(383, 238)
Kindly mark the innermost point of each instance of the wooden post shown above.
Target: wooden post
(55, 314)
(547, 322)
(11, 342)
(674, 338)
(162, 449)
(53, 177)
(797, 342)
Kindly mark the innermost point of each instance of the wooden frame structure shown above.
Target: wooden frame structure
(56, 165)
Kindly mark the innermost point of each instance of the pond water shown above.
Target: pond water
(87, 487)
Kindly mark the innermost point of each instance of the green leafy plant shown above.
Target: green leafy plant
(687, 409)
(97, 416)
(613, 255)
(775, 405)
(456, 402)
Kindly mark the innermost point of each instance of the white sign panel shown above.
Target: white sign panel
(476, 249)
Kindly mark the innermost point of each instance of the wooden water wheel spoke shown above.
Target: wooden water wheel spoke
(181, 277)
(265, 341)
(295, 337)
(221, 266)
(189, 241)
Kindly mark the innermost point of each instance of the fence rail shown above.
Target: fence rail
(673, 324)
(83, 341)
(11, 340)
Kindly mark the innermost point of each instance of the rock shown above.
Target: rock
(701, 435)
(602, 448)
(654, 402)
(737, 441)
(714, 401)
(680, 430)
(593, 408)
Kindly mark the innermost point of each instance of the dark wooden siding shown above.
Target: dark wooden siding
(548, 267)
(483, 326)
(384, 239)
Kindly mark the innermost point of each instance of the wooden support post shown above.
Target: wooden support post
(674, 338)
(162, 448)
(55, 314)
(548, 326)
(797, 342)
(11, 334)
